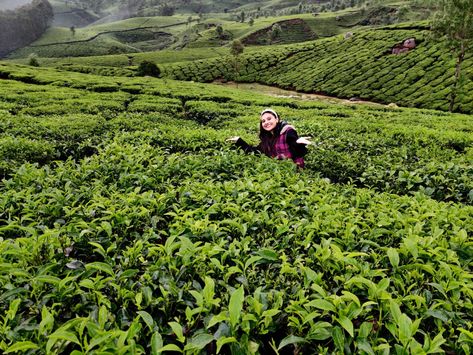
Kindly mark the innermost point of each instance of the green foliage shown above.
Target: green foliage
(236, 48)
(33, 60)
(453, 19)
(24, 24)
(161, 237)
(360, 66)
(166, 10)
(148, 68)
(275, 32)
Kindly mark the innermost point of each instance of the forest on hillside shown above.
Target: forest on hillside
(23, 25)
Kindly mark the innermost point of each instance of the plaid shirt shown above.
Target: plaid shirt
(279, 149)
(282, 151)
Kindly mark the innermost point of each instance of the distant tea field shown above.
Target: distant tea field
(358, 65)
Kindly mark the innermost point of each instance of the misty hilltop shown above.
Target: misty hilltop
(12, 4)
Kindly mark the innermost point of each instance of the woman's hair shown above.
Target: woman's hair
(269, 138)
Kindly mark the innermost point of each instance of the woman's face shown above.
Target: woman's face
(268, 121)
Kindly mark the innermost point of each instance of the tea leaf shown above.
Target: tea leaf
(322, 304)
(224, 340)
(338, 338)
(21, 347)
(97, 265)
(199, 342)
(61, 334)
(156, 343)
(13, 309)
(435, 345)
(289, 340)
(268, 254)
(405, 332)
(97, 340)
(75, 264)
(218, 318)
(363, 345)
(47, 321)
(170, 347)
(346, 324)
(236, 305)
(393, 257)
(48, 279)
(147, 318)
(177, 329)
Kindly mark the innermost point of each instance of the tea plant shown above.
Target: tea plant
(393, 150)
(139, 248)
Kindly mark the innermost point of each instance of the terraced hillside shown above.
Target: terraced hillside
(128, 222)
(361, 66)
(132, 35)
(147, 34)
(150, 32)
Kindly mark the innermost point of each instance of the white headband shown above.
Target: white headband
(268, 110)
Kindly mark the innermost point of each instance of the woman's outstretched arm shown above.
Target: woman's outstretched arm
(240, 143)
(296, 145)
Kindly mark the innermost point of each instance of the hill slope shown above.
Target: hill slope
(361, 65)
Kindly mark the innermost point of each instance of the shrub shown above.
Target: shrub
(147, 68)
(33, 60)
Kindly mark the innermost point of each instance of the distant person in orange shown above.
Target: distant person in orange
(278, 139)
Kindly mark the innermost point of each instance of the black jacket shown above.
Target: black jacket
(297, 150)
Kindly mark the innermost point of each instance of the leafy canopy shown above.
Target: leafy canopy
(454, 18)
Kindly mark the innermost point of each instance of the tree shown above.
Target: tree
(166, 10)
(236, 49)
(251, 22)
(454, 20)
(148, 68)
(219, 31)
(275, 32)
(242, 16)
(33, 60)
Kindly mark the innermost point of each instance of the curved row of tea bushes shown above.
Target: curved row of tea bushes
(390, 150)
(360, 66)
(144, 251)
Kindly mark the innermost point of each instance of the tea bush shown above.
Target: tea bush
(128, 224)
(139, 248)
(360, 66)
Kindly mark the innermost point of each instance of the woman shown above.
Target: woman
(277, 139)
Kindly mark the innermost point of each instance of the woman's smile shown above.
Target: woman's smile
(268, 121)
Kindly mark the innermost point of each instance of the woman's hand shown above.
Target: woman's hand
(304, 140)
(233, 139)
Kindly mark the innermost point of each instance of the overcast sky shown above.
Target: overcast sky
(12, 4)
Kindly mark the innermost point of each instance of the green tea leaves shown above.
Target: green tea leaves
(21, 347)
(236, 305)
(99, 266)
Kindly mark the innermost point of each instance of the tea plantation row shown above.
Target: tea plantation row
(392, 150)
(359, 66)
(129, 225)
(139, 250)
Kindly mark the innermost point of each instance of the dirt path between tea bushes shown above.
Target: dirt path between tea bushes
(288, 94)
